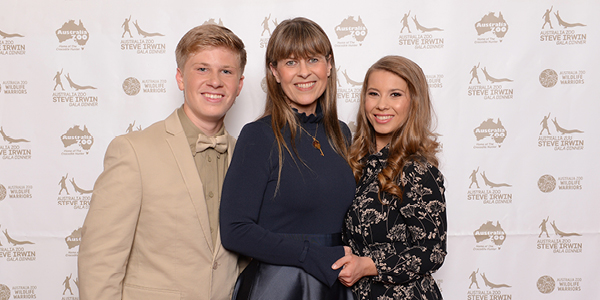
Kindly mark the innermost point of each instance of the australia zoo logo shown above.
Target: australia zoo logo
(494, 88)
(78, 198)
(489, 236)
(144, 41)
(490, 192)
(490, 289)
(351, 32)
(561, 242)
(554, 136)
(77, 141)
(425, 37)
(489, 134)
(566, 33)
(267, 24)
(73, 240)
(491, 28)
(15, 249)
(72, 36)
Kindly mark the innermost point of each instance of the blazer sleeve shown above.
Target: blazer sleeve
(108, 230)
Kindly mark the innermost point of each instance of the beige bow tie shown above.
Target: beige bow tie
(219, 143)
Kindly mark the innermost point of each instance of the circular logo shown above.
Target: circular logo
(4, 292)
(131, 86)
(2, 192)
(547, 183)
(548, 78)
(263, 85)
(545, 284)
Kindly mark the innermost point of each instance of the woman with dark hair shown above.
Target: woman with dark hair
(289, 184)
(396, 225)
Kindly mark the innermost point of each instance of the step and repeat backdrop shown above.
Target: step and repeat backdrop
(515, 86)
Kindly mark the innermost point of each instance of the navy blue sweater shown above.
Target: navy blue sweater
(313, 198)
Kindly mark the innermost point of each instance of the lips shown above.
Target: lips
(214, 97)
(383, 118)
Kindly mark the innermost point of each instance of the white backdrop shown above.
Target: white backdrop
(515, 86)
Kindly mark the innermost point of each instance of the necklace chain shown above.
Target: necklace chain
(315, 142)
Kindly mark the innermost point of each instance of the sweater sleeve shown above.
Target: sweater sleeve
(244, 193)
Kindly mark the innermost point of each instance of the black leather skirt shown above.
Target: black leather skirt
(262, 281)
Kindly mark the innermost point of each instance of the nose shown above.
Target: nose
(303, 70)
(215, 79)
(382, 104)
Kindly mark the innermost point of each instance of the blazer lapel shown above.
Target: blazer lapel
(181, 151)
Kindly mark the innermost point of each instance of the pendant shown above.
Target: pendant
(317, 146)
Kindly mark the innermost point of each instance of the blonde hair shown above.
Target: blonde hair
(205, 36)
(413, 140)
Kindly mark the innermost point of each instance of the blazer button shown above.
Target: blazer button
(215, 265)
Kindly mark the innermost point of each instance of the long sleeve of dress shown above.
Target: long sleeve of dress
(254, 220)
(423, 211)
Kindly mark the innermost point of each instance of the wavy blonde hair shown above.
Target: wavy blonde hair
(413, 140)
(300, 38)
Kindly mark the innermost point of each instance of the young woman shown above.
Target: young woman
(289, 185)
(396, 225)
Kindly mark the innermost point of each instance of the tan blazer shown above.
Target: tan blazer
(147, 234)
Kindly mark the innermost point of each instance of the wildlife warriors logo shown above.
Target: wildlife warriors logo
(423, 38)
(77, 141)
(491, 28)
(15, 249)
(14, 87)
(351, 32)
(9, 44)
(79, 197)
(491, 192)
(348, 88)
(4, 292)
(144, 41)
(489, 236)
(14, 147)
(16, 192)
(72, 36)
(561, 242)
(2, 192)
(566, 33)
(494, 88)
(549, 78)
(560, 138)
(77, 94)
(132, 86)
(489, 134)
(546, 284)
(547, 183)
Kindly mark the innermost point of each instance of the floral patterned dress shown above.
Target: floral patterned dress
(406, 239)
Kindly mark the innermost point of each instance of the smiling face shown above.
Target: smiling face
(211, 79)
(303, 80)
(387, 102)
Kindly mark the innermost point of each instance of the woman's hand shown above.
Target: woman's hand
(354, 267)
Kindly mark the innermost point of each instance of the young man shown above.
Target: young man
(151, 231)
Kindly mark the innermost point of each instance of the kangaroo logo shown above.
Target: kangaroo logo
(9, 139)
(423, 28)
(565, 24)
(492, 285)
(76, 86)
(492, 79)
(144, 33)
(13, 241)
(562, 130)
(212, 21)
(561, 233)
(78, 189)
(350, 81)
(9, 35)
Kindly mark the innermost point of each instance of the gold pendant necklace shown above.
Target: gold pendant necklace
(315, 142)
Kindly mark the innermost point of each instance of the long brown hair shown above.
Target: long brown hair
(300, 38)
(413, 140)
